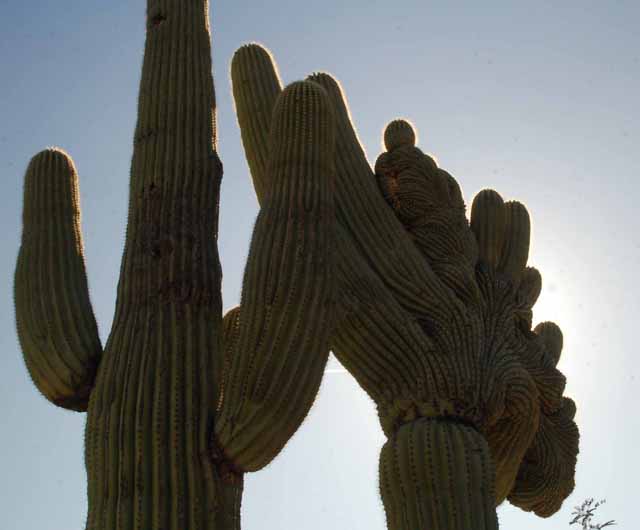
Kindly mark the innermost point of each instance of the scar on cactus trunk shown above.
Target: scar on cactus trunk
(181, 402)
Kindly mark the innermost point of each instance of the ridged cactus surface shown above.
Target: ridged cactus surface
(434, 321)
(443, 460)
(286, 300)
(182, 402)
(56, 326)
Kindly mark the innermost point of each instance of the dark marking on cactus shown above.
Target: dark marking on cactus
(155, 17)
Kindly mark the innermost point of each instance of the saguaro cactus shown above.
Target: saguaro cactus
(435, 324)
(181, 402)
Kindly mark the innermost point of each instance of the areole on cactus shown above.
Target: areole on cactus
(429, 312)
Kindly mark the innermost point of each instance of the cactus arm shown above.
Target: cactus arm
(56, 326)
(286, 311)
(256, 86)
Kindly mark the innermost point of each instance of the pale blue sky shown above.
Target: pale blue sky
(538, 100)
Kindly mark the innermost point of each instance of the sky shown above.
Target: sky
(538, 100)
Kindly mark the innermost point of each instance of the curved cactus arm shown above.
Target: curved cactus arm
(286, 311)
(56, 326)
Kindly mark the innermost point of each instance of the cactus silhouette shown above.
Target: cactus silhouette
(434, 322)
(182, 402)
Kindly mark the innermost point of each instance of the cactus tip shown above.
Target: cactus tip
(399, 133)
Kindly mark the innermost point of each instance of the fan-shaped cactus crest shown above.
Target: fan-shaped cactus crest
(434, 322)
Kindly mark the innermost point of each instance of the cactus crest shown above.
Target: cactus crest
(435, 324)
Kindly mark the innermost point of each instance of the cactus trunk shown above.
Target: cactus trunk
(437, 474)
(147, 455)
(150, 414)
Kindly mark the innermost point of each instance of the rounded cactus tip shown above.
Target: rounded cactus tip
(569, 408)
(489, 196)
(399, 133)
(330, 84)
(46, 160)
(304, 89)
(253, 50)
(309, 103)
(552, 337)
(52, 153)
(304, 98)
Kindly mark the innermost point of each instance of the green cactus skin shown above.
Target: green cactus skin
(287, 296)
(55, 322)
(252, 63)
(184, 401)
(434, 322)
(442, 460)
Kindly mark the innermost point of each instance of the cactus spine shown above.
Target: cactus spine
(435, 324)
(184, 401)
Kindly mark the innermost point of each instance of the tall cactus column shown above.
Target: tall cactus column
(149, 415)
(182, 402)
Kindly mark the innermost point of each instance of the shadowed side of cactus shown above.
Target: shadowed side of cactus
(182, 402)
(434, 322)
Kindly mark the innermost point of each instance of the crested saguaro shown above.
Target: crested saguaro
(434, 322)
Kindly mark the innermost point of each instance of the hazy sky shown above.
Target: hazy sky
(538, 100)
